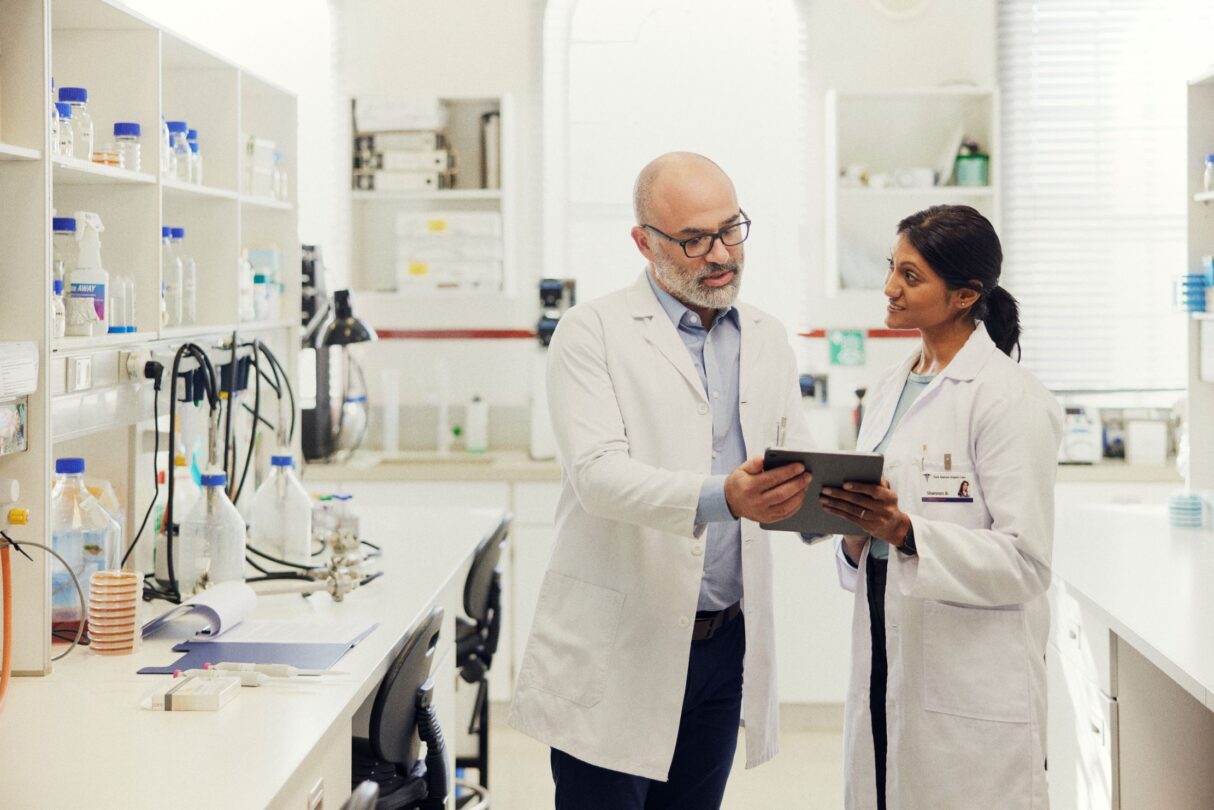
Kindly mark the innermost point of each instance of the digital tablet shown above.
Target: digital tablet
(830, 470)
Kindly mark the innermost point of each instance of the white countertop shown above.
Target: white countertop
(370, 465)
(1153, 583)
(77, 738)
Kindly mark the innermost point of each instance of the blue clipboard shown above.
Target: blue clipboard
(303, 656)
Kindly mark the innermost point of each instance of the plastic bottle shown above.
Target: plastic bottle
(185, 494)
(212, 539)
(117, 307)
(476, 426)
(64, 248)
(1208, 180)
(126, 138)
(167, 166)
(189, 278)
(170, 280)
(261, 297)
(88, 283)
(62, 139)
(58, 311)
(82, 122)
(180, 147)
(84, 534)
(282, 514)
(191, 137)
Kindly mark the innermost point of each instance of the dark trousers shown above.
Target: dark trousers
(875, 574)
(703, 753)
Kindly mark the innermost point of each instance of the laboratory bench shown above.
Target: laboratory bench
(77, 738)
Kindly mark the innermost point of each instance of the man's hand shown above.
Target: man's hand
(766, 496)
(872, 507)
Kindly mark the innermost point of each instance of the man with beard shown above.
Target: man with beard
(653, 631)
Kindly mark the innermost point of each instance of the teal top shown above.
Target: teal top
(915, 385)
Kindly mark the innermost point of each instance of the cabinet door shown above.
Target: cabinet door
(1081, 738)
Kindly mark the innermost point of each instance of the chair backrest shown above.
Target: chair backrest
(393, 731)
(480, 577)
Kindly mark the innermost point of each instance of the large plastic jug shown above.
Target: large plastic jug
(211, 546)
(282, 515)
(84, 534)
(185, 494)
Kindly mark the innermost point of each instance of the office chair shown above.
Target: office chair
(402, 718)
(476, 639)
(363, 797)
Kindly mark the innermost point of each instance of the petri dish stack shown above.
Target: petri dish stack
(114, 612)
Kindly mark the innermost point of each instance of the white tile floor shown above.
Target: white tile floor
(807, 774)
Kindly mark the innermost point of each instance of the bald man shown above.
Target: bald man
(653, 631)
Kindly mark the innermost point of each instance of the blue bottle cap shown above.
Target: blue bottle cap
(69, 466)
(191, 134)
(127, 128)
(73, 94)
(282, 461)
(116, 330)
(64, 224)
(259, 278)
(166, 232)
(64, 110)
(1210, 158)
(177, 126)
(214, 479)
(193, 146)
(178, 233)
(57, 285)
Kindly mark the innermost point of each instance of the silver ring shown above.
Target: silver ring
(862, 513)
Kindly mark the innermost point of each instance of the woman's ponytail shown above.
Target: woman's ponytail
(1000, 312)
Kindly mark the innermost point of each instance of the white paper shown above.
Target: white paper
(220, 607)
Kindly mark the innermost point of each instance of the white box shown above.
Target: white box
(402, 181)
(1146, 442)
(435, 160)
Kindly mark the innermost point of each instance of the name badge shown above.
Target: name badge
(946, 487)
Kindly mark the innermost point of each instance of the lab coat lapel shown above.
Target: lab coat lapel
(885, 399)
(662, 333)
(750, 359)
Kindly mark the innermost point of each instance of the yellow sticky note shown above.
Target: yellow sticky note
(436, 225)
(418, 268)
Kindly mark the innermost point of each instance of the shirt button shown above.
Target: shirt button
(697, 549)
(684, 621)
(703, 408)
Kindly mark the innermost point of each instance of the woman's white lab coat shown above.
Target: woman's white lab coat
(967, 618)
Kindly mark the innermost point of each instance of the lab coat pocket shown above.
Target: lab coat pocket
(572, 639)
(975, 662)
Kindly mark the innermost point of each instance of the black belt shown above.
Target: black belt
(709, 622)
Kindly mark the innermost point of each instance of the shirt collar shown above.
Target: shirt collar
(679, 313)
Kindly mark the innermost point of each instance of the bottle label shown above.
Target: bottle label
(86, 303)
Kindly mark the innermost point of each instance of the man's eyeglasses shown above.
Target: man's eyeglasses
(702, 245)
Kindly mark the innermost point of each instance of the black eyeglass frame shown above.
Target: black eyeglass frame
(712, 242)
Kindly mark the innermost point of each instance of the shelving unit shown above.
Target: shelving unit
(1200, 243)
(884, 131)
(134, 71)
(375, 213)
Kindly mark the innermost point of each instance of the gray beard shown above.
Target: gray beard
(691, 290)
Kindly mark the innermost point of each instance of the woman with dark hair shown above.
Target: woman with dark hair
(946, 705)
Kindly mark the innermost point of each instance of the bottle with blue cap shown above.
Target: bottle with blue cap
(63, 140)
(211, 546)
(126, 140)
(63, 247)
(58, 311)
(282, 514)
(179, 142)
(84, 534)
(171, 280)
(82, 123)
(191, 139)
(189, 277)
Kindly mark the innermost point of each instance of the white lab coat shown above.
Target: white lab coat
(967, 618)
(605, 666)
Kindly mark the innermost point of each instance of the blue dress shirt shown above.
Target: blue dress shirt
(715, 352)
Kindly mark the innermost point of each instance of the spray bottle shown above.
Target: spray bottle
(88, 283)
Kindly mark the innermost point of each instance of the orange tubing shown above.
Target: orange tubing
(6, 661)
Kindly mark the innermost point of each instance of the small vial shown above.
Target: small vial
(126, 140)
(67, 139)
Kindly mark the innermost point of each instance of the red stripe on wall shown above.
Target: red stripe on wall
(872, 333)
(455, 334)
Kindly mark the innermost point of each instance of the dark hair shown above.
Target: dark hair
(961, 246)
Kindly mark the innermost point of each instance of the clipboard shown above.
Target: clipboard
(830, 470)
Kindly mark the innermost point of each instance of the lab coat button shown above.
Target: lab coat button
(697, 549)
(684, 621)
(703, 408)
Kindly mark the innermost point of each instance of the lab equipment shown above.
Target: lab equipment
(476, 426)
(171, 278)
(195, 156)
(126, 138)
(180, 147)
(1082, 437)
(88, 283)
(63, 247)
(830, 470)
(58, 311)
(282, 514)
(63, 139)
(185, 494)
(113, 602)
(84, 534)
(212, 542)
(189, 277)
(82, 122)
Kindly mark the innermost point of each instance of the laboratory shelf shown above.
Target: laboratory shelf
(493, 194)
(10, 152)
(75, 172)
(266, 202)
(174, 188)
(195, 330)
(1204, 197)
(75, 344)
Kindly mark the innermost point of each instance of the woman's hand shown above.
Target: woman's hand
(872, 507)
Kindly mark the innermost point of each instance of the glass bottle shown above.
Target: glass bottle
(82, 122)
(212, 541)
(84, 534)
(170, 280)
(126, 138)
(66, 138)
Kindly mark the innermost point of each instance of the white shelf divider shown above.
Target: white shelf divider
(70, 171)
(174, 187)
(10, 152)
